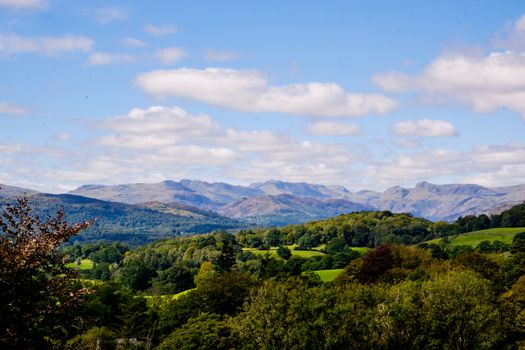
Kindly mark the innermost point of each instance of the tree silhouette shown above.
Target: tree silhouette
(37, 291)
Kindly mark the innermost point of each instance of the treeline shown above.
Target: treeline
(363, 229)
(394, 297)
(513, 217)
(169, 266)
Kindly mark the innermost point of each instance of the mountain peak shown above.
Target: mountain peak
(455, 189)
(396, 191)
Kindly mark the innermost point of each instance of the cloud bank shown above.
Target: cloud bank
(250, 91)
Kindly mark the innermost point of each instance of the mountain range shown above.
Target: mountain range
(264, 202)
(192, 206)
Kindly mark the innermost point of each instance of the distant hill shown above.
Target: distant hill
(125, 222)
(283, 209)
(445, 202)
(300, 189)
(162, 192)
(11, 191)
(430, 201)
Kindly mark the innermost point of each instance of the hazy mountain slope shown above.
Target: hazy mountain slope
(447, 202)
(162, 192)
(124, 222)
(221, 192)
(435, 202)
(12, 191)
(301, 189)
(284, 209)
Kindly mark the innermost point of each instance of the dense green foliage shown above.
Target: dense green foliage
(429, 296)
(513, 217)
(363, 229)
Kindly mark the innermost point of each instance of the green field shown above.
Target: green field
(85, 264)
(361, 250)
(161, 299)
(316, 251)
(504, 234)
(273, 252)
(328, 275)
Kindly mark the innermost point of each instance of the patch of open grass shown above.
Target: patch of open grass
(273, 252)
(316, 251)
(503, 234)
(361, 250)
(328, 275)
(85, 264)
(161, 299)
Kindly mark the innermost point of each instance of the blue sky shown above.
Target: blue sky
(366, 94)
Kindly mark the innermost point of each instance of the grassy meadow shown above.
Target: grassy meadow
(503, 234)
(85, 264)
(301, 253)
(328, 275)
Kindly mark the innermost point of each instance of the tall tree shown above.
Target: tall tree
(36, 288)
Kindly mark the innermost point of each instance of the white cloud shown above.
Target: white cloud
(8, 108)
(159, 119)
(333, 128)
(314, 172)
(193, 154)
(11, 148)
(247, 90)
(169, 55)
(166, 139)
(63, 136)
(78, 176)
(513, 36)
(409, 143)
(221, 56)
(484, 83)
(409, 168)
(110, 14)
(50, 45)
(424, 128)
(23, 4)
(160, 29)
(101, 58)
(507, 175)
(513, 153)
(132, 42)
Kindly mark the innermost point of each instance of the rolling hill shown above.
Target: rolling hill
(502, 234)
(129, 223)
(283, 209)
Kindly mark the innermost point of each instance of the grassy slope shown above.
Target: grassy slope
(328, 275)
(85, 264)
(302, 253)
(273, 252)
(504, 234)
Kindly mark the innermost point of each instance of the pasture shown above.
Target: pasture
(85, 264)
(503, 234)
(328, 275)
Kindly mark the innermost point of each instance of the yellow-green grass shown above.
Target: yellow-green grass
(89, 282)
(273, 252)
(328, 275)
(316, 251)
(361, 250)
(503, 234)
(85, 264)
(159, 299)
